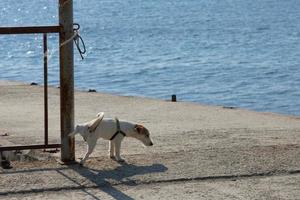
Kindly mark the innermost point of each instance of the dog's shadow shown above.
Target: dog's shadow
(123, 174)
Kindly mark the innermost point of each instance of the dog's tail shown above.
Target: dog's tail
(100, 115)
(95, 122)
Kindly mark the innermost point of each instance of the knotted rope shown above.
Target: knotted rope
(77, 40)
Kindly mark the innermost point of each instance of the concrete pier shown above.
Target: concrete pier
(199, 152)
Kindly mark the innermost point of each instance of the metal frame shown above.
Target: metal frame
(33, 30)
(30, 29)
(65, 30)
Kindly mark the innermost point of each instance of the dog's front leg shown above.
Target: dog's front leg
(117, 142)
(91, 146)
(111, 149)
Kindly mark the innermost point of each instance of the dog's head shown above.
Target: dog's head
(143, 135)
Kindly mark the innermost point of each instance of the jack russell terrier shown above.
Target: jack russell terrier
(112, 130)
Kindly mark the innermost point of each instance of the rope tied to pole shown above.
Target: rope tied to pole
(77, 40)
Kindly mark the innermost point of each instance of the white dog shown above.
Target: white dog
(113, 130)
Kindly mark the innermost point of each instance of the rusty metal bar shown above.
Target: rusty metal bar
(23, 147)
(66, 53)
(30, 29)
(45, 88)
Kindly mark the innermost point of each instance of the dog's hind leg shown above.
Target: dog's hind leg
(91, 146)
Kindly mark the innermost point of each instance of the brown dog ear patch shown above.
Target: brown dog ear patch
(138, 128)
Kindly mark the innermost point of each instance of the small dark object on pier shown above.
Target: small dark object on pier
(5, 164)
(229, 107)
(174, 98)
(51, 151)
(92, 90)
(5, 134)
(33, 83)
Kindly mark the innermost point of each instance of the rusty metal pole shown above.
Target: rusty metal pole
(66, 80)
(45, 88)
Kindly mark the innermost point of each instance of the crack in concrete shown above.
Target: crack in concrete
(176, 180)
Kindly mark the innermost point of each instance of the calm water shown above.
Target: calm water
(230, 52)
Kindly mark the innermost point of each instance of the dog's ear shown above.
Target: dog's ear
(95, 122)
(138, 128)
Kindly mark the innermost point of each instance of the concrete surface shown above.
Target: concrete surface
(199, 152)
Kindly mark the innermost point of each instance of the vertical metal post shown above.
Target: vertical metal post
(45, 88)
(66, 80)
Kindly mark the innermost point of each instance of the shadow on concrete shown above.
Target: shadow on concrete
(104, 180)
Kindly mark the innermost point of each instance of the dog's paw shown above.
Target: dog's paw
(81, 163)
(117, 159)
(121, 160)
(112, 157)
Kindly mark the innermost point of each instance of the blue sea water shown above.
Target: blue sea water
(230, 52)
